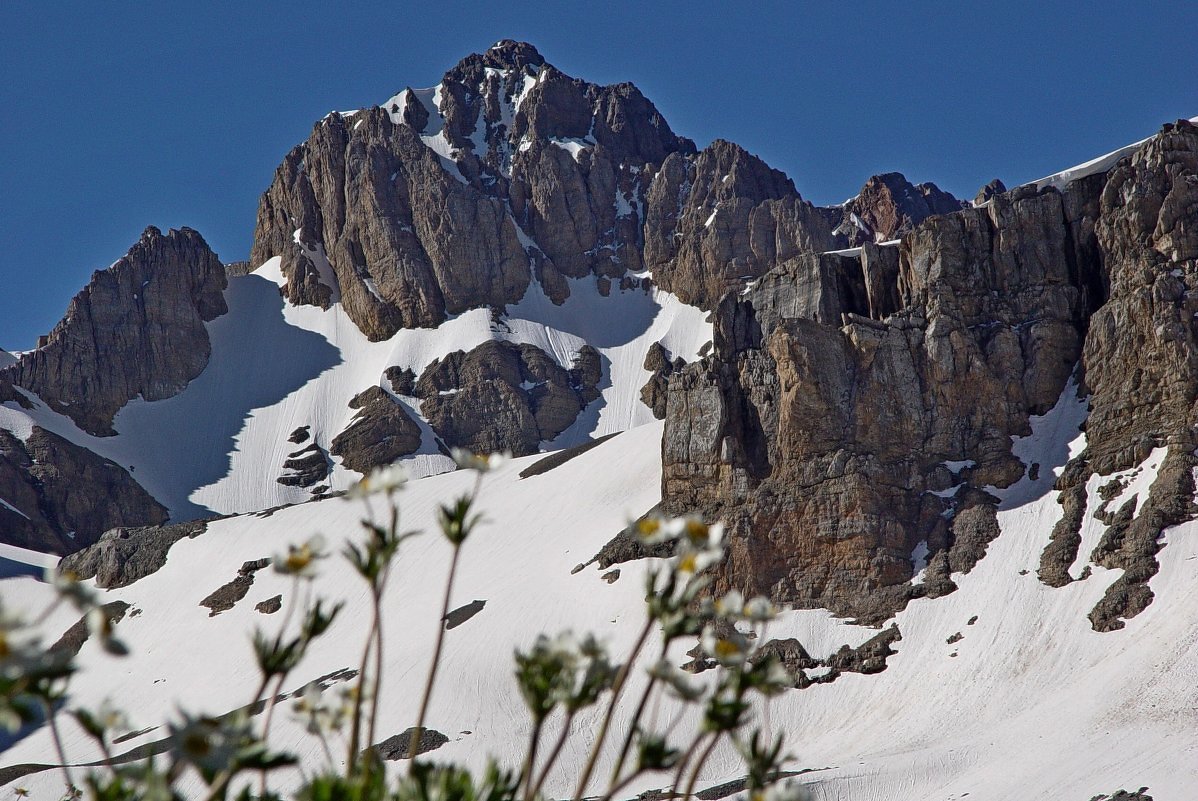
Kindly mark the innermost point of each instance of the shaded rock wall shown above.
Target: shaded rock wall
(59, 497)
(137, 329)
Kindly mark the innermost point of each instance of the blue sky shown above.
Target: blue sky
(121, 115)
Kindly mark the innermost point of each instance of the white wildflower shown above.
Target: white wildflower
(729, 649)
(385, 479)
(759, 610)
(67, 584)
(676, 680)
(482, 462)
(300, 560)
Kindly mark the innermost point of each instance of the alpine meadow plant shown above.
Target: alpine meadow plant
(558, 676)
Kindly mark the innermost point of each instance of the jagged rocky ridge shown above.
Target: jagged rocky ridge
(137, 329)
(459, 196)
(857, 407)
(887, 207)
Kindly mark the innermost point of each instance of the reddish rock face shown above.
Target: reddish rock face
(889, 206)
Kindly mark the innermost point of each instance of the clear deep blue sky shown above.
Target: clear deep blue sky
(121, 115)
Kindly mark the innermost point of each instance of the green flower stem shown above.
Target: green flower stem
(418, 732)
(530, 760)
(690, 785)
(51, 719)
(640, 711)
(378, 629)
(618, 687)
(553, 755)
(685, 760)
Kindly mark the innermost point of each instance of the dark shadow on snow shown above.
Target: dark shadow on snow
(258, 359)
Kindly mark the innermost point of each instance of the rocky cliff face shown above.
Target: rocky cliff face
(889, 206)
(458, 196)
(58, 497)
(855, 408)
(855, 405)
(506, 397)
(136, 329)
(1141, 366)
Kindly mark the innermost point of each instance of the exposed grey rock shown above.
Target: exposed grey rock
(995, 187)
(226, 596)
(72, 640)
(887, 207)
(64, 495)
(546, 176)
(398, 746)
(270, 605)
(307, 466)
(457, 617)
(137, 329)
(856, 377)
(410, 237)
(1124, 795)
(558, 458)
(505, 397)
(627, 547)
(300, 434)
(717, 219)
(653, 393)
(403, 380)
(381, 432)
(124, 555)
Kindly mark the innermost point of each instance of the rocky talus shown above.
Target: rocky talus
(456, 197)
(506, 397)
(137, 329)
(856, 407)
(58, 497)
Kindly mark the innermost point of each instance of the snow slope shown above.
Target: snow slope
(1030, 698)
(275, 367)
(1103, 163)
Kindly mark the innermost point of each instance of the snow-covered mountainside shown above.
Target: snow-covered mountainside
(962, 453)
(218, 446)
(996, 689)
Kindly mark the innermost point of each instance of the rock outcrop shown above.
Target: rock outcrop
(506, 397)
(855, 405)
(655, 391)
(887, 207)
(59, 497)
(715, 220)
(305, 467)
(381, 432)
(457, 197)
(137, 329)
(1141, 364)
(124, 555)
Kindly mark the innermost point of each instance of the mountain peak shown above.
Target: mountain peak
(506, 55)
